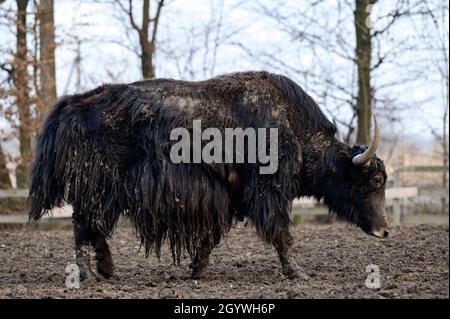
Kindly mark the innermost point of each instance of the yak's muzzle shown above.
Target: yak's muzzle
(380, 233)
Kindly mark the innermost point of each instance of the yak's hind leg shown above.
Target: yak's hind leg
(283, 240)
(84, 238)
(82, 242)
(200, 261)
(276, 231)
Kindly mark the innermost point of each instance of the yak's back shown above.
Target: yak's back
(240, 89)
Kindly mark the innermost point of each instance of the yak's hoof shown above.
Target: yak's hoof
(198, 273)
(291, 273)
(197, 270)
(105, 266)
(294, 272)
(88, 276)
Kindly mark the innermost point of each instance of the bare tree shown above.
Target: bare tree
(364, 65)
(443, 69)
(4, 175)
(146, 32)
(22, 90)
(22, 96)
(196, 51)
(47, 89)
(321, 30)
(436, 39)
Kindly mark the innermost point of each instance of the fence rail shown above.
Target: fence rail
(14, 193)
(57, 214)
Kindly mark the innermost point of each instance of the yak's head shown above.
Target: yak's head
(359, 196)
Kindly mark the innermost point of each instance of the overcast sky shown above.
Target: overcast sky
(107, 56)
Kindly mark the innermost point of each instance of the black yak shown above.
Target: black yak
(106, 152)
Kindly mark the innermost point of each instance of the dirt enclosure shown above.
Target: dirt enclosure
(413, 263)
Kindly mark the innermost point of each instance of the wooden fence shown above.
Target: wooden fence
(394, 197)
(56, 214)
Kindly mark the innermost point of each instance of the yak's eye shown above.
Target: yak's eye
(377, 181)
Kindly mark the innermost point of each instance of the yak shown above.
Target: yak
(106, 153)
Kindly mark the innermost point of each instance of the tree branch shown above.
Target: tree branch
(156, 22)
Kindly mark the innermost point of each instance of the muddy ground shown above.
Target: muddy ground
(413, 263)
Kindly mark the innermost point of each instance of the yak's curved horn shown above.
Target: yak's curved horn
(363, 159)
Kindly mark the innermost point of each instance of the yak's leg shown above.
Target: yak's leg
(283, 241)
(82, 243)
(105, 265)
(201, 259)
(83, 239)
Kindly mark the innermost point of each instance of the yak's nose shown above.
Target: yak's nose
(381, 233)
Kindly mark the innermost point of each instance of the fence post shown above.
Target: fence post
(397, 210)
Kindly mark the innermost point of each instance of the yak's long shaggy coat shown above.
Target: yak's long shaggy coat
(106, 152)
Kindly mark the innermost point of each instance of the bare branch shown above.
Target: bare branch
(156, 22)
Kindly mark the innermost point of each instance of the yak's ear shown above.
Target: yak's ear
(345, 156)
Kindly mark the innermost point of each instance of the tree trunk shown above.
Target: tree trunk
(444, 200)
(22, 97)
(148, 69)
(47, 94)
(445, 147)
(363, 61)
(5, 181)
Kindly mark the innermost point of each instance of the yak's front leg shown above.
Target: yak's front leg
(283, 241)
(105, 265)
(82, 235)
(200, 262)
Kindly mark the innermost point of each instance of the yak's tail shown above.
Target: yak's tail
(50, 172)
(47, 190)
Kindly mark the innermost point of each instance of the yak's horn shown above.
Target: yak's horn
(364, 158)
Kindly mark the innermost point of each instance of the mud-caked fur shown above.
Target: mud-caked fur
(106, 152)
